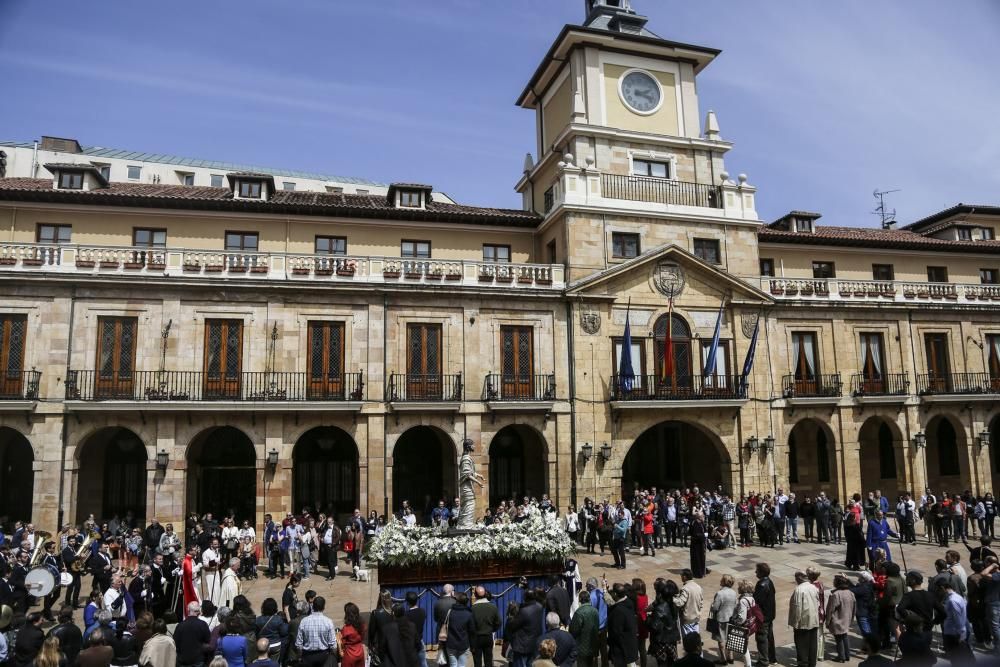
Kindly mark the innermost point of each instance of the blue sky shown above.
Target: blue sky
(824, 101)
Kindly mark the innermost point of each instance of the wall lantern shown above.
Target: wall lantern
(769, 444)
(161, 460)
(606, 452)
(272, 458)
(984, 438)
(587, 450)
(919, 440)
(753, 444)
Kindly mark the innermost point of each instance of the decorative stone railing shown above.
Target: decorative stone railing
(879, 291)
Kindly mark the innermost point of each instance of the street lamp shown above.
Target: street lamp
(606, 452)
(984, 438)
(272, 458)
(161, 460)
(753, 444)
(587, 450)
(919, 440)
(769, 444)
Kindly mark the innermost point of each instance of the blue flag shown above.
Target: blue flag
(714, 350)
(751, 352)
(626, 376)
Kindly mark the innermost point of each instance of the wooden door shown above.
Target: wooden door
(938, 368)
(116, 337)
(423, 362)
(326, 360)
(223, 358)
(518, 366)
(13, 329)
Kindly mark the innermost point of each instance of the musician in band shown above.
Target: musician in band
(6, 587)
(117, 599)
(22, 600)
(72, 564)
(100, 567)
(53, 564)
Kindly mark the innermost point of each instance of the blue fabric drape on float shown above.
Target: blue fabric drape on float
(504, 591)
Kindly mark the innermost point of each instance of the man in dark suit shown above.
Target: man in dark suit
(69, 635)
(100, 566)
(6, 588)
(139, 589)
(159, 584)
(623, 629)
(29, 641)
(565, 655)
(558, 599)
(525, 628)
(68, 558)
(764, 596)
(21, 599)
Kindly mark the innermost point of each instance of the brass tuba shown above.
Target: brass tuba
(41, 537)
(78, 564)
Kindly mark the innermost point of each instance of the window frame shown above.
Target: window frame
(217, 180)
(963, 233)
(332, 240)
(695, 242)
(152, 234)
(410, 198)
(803, 226)
(243, 236)
(623, 237)
(246, 186)
(288, 186)
(56, 235)
(802, 364)
(128, 172)
(552, 249)
(818, 263)
(943, 269)
(649, 163)
(187, 176)
(877, 267)
(987, 234)
(765, 261)
(994, 274)
(75, 177)
(495, 247)
(416, 254)
(637, 342)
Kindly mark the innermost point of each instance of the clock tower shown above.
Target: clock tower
(618, 126)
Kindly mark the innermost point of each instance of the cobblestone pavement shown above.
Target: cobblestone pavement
(784, 561)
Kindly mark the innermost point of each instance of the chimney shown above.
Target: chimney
(60, 145)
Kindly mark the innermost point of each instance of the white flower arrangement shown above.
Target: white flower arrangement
(540, 538)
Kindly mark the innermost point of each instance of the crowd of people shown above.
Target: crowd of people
(175, 599)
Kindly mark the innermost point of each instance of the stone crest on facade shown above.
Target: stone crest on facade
(669, 278)
(590, 321)
(747, 323)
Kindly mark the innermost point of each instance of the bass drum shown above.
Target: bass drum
(39, 582)
(65, 579)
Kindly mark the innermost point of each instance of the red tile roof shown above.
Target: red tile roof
(297, 202)
(866, 237)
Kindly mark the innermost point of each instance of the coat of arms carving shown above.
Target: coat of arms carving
(590, 321)
(669, 278)
(747, 323)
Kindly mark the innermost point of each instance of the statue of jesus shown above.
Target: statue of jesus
(467, 477)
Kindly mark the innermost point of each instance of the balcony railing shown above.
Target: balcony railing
(85, 385)
(890, 384)
(202, 264)
(957, 383)
(426, 387)
(500, 387)
(815, 387)
(695, 387)
(660, 191)
(876, 291)
(19, 385)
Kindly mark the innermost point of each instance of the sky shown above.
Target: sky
(824, 101)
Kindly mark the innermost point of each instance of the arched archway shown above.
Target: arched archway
(222, 474)
(675, 454)
(518, 464)
(994, 427)
(17, 478)
(881, 468)
(947, 456)
(325, 471)
(423, 470)
(812, 459)
(112, 477)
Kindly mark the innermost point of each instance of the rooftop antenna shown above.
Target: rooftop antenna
(888, 216)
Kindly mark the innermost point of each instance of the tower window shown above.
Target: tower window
(650, 169)
(624, 245)
(707, 250)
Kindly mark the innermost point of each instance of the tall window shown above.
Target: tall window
(938, 367)
(872, 357)
(496, 253)
(886, 453)
(53, 233)
(326, 359)
(13, 330)
(423, 361)
(993, 357)
(937, 274)
(116, 340)
(824, 270)
(680, 371)
(637, 357)
(767, 267)
(707, 250)
(719, 379)
(989, 276)
(651, 168)
(223, 358)
(804, 356)
(331, 245)
(420, 249)
(883, 272)
(624, 245)
(518, 366)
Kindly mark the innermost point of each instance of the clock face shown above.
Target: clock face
(641, 92)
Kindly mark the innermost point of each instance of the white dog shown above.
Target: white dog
(359, 574)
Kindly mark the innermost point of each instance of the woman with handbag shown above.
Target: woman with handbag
(350, 638)
(664, 628)
(230, 540)
(738, 634)
(723, 606)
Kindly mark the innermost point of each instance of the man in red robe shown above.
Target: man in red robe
(189, 569)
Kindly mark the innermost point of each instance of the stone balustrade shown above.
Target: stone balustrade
(878, 291)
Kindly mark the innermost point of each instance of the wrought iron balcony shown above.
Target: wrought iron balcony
(660, 191)
(957, 383)
(890, 384)
(424, 387)
(685, 388)
(19, 385)
(85, 385)
(501, 387)
(816, 386)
